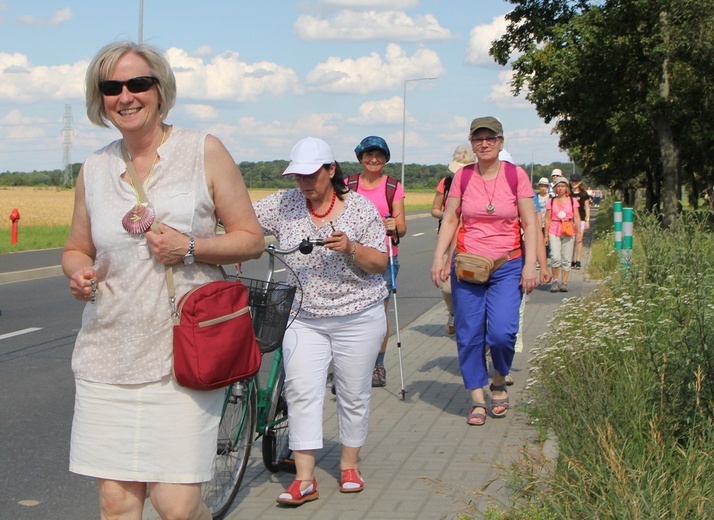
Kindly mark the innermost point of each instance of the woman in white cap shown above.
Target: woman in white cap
(561, 219)
(342, 316)
(488, 205)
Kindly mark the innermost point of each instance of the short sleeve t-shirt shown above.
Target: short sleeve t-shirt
(378, 197)
(559, 213)
(490, 234)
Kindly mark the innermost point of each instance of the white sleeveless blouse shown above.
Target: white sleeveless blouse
(126, 337)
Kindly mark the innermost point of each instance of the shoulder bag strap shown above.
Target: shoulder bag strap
(154, 227)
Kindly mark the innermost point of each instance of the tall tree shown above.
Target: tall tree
(621, 79)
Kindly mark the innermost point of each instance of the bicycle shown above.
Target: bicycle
(249, 408)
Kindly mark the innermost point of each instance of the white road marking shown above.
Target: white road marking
(19, 332)
(418, 234)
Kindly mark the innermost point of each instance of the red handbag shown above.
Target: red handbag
(214, 341)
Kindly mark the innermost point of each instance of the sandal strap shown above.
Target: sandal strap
(498, 388)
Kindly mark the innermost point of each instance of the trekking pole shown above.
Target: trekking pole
(396, 311)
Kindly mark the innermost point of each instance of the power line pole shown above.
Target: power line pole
(67, 145)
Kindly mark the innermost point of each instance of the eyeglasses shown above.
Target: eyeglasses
(135, 85)
(490, 140)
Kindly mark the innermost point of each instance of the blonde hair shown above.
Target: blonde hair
(103, 64)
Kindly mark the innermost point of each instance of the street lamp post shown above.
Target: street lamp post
(404, 120)
(538, 150)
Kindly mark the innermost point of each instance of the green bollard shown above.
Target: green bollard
(627, 229)
(617, 206)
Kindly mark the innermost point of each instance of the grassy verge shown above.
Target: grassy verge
(622, 381)
(34, 237)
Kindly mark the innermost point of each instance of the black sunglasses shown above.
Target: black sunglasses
(135, 85)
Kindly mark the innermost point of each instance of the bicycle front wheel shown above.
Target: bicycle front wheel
(276, 451)
(235, 438)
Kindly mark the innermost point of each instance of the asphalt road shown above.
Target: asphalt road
(38, 326)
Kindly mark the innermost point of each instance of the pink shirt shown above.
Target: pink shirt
(556, 217)
(378, 197)
(490, 234)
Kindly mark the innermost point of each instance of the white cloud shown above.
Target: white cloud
(226, 77)
(57, 18)
(383, 111)
(357, 76)
(202, 112)
(502, 96)
(368, 4)
(371, 25)
(480, 39)
(22, 82)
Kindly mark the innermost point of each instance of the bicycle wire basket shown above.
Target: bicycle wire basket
(270, 304)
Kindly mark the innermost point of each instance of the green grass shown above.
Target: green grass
(30, 238)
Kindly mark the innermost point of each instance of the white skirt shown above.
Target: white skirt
(153, 432)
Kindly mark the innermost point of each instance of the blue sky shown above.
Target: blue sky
(261, 75)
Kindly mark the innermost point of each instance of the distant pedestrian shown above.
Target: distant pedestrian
(580, 192)
(462, 157)
(562, 213)
(555, 176)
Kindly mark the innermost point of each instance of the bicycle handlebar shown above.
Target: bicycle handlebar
(305, 246)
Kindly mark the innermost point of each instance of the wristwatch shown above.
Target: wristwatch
(188, 258)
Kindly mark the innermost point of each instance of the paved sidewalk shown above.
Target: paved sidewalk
(421, 461)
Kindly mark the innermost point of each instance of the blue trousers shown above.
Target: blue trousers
(487, 314)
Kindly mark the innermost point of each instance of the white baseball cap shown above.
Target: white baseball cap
(308, 156)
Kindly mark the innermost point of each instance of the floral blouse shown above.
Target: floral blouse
(332, 283)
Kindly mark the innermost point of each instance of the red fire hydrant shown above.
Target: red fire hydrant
(15, 218)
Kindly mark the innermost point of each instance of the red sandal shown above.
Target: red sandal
(294, 497)
(351, 481)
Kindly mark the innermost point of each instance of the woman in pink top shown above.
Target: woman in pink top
(488, 214)
(373, 154)
(561, 208)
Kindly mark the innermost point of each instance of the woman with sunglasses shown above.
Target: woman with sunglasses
(488, 205)
(135, 429)
(341, 318)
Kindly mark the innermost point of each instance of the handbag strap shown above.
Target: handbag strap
(154, 227)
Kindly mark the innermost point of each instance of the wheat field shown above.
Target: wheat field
(53, 206)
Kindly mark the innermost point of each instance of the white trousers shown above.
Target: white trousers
(352, 344)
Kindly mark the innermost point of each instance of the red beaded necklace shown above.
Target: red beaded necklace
(322, 215)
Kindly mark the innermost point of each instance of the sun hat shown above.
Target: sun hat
(543, 180)
(462, 156)
(308, 155)
(372, 142)
(562, 180)
(557, 171)
(489, 123)
(575, 177)
(503, 155)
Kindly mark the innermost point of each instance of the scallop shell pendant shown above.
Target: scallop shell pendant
(139, 219)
